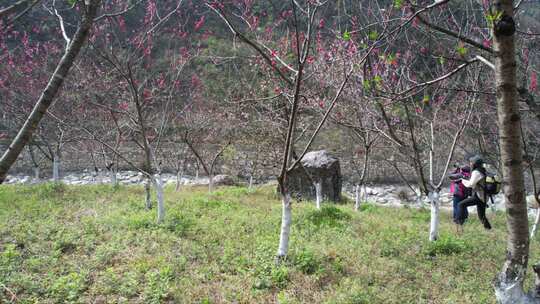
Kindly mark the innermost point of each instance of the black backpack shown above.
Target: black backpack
(492, 184)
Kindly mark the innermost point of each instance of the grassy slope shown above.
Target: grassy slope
(96, 244)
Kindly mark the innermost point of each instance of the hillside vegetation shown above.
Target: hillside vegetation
(97, 244)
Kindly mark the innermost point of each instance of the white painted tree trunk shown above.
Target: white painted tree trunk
(197, 174)
(434, 225)
(36, 173)
(318, 194)
(56, 168)
(210, 183)
(250, 182)
(535, 225)
(148, 200)
(357, 198)
(179, 176)
(114, 180)
(160, 199)
(100, 177)
(364, 193)
(512, 294)
(286, 220)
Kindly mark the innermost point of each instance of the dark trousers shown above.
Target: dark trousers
(480, 209)
(456, 200)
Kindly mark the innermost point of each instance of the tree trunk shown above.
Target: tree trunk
(160, 202)
(36, 173)
(210, 182)
(286, 220)
(99, 177)
(357, 198)
(114, 180)
(318, 194)
(55, 82)
(56, 168)
(179, 176)
(434, 223)
(250, 182)
(509, 282)
(148, 197)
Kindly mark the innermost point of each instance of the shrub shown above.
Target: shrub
(157, 285)
(46, 190)
(359, 298)
(389, 250)
(421, 216)
(306, 261)
(65, 245)
(280, 276)
(231, 191)
(68, 287)
(178, 224)
(446, 245)
(368, 208)
(329, 216)
(141, 220)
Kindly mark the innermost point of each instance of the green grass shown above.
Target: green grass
(97, 244)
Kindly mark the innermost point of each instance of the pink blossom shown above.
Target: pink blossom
(150, 12)
(287, 13)
(195, 81)
(161, 81)
(254, 21)
(147, 94)
(415, 22)
(124, 106)
(534, 83)
(268, 31)
(199, 23)
(121, 23)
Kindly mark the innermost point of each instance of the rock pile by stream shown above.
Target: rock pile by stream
(122, 177)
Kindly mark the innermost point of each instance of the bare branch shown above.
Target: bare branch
(449, 32)
(438, 79)
(118, 13)
(486, 62)
(62, 26)
(251, 43)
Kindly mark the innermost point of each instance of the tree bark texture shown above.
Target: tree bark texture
(509, 283)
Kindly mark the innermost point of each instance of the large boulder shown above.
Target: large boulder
(316, 166)
(223, 180)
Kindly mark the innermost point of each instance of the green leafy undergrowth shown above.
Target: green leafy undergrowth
(90, 244)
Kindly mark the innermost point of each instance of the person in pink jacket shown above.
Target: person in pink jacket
(478, 197)
(458, 190)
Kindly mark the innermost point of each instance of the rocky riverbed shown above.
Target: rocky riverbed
(87, 178)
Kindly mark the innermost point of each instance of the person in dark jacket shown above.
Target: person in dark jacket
(478, 198)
